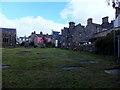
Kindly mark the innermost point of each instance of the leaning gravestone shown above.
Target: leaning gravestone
(112, 71)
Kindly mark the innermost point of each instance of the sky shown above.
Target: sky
(47, 15)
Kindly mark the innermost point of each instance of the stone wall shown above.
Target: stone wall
(88, 48)
(8, 37)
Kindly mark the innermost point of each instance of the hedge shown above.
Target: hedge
(105, 45)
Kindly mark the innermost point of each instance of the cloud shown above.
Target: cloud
(81, 10)
(26, 25)
(34, 0)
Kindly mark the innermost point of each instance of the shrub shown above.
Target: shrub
(31, 44)
(105, 45)
(23, 43)
(49, 44)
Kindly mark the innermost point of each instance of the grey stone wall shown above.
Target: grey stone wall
(8, 37)
(75, 35)
(89, 48)
(90, 30)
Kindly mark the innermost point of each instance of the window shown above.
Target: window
(6, 39)
(3, 39)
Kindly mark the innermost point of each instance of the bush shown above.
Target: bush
(49, 44)
(105, 45)
(31, 44)
(23, 43)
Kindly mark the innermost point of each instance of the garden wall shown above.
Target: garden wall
(88, 48)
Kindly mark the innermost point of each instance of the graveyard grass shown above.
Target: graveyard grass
(29, 70)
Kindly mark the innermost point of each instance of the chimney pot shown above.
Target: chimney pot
(105, 19)
(89, 21)
(71, 24)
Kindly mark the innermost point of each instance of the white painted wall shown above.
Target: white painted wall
(56, 43)
(117, 21)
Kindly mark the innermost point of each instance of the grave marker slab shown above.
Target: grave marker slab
(112, 71)
(89, 62)
(4, 66)
(68, 68)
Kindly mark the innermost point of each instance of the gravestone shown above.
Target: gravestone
(80, 57)
(60, 55)
(112, 71)
(89, 62)
(4, 66)
(43, 58)
(68, 68)
(24, 52)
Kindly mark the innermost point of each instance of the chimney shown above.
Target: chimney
(105, 20)
(112, 21)
(61, 31)
(34, 32)
(71, 24)
(89, 21)
(41, 33)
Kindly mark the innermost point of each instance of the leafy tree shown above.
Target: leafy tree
(115, 3)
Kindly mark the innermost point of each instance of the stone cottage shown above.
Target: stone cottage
(8, 38)
(40, 39)
(76, 35)
(64, 37)
(94, 30)
(73, 36)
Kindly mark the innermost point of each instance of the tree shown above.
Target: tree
(115, 3)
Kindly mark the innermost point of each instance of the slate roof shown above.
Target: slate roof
(109, 26)
(66, 28)
(97, 25)
(55, 32)
(47, 36)
(8, 29)
(39, 35)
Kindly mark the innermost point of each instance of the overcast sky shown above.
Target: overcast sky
(46, 15)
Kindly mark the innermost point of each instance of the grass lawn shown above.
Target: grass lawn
(42, 68)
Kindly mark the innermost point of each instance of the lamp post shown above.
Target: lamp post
(114, 41)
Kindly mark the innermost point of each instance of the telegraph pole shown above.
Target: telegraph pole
(114, 41)
(119, 46)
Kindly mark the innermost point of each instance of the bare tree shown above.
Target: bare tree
(115, 3)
